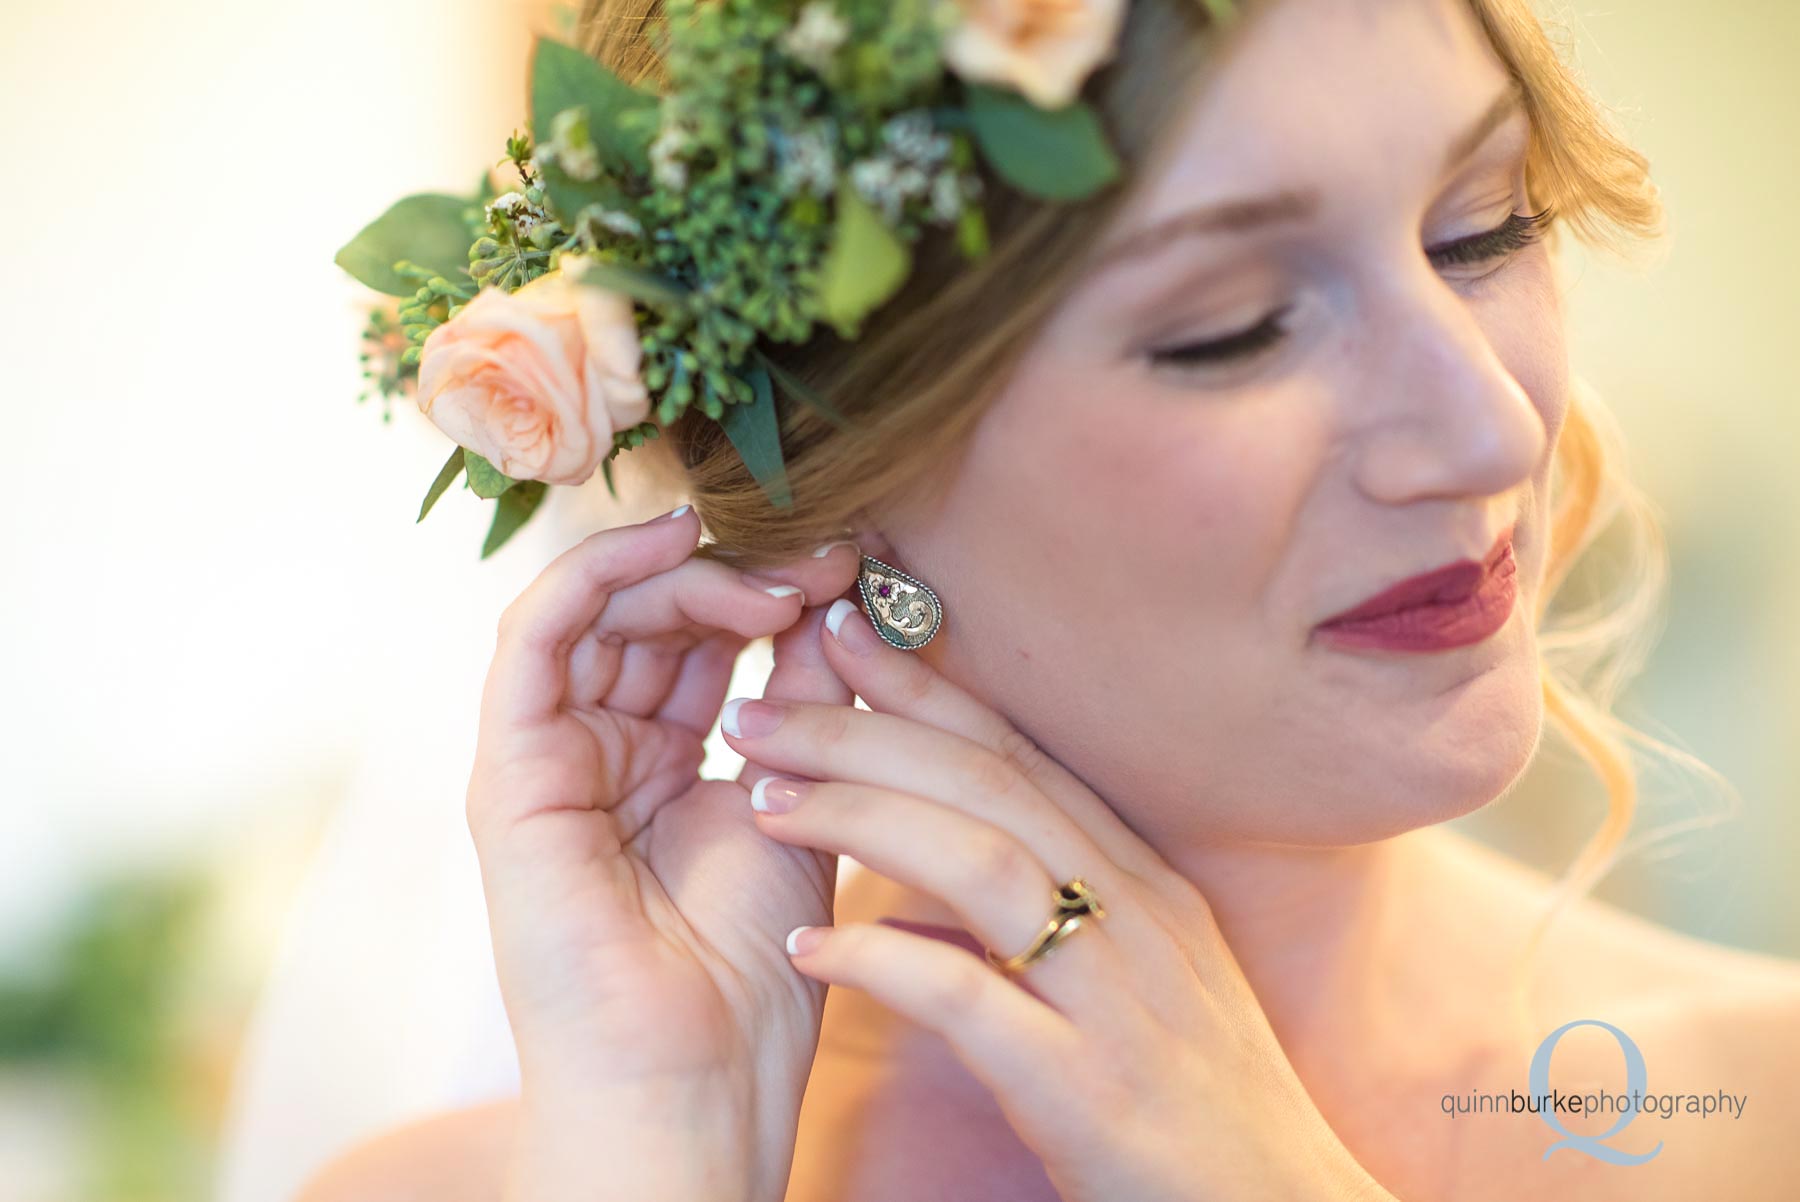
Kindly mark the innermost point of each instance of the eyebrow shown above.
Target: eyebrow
(1237, 216)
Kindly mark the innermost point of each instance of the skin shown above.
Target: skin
(1295, 966)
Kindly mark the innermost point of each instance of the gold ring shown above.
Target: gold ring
(1074, 901)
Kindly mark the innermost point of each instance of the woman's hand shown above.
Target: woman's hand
(637, 914)
(1134, 1060)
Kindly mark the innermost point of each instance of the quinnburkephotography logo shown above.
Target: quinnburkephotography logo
(1550, 1104)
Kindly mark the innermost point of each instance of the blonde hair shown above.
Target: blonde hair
(917, 380)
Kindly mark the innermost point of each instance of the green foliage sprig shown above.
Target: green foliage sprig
(777, 185)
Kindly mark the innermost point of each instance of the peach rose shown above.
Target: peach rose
(1044, 48)
(536, 381)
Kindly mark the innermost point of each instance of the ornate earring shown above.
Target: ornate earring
(902, 608)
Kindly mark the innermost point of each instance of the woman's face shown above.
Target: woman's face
(1136, 551)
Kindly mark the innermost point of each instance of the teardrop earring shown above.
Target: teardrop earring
(902, 608)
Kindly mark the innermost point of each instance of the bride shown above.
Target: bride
(1154, 465)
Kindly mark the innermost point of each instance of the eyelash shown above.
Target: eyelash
(1514, 234)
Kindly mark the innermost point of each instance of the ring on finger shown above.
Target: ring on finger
(1075, 902)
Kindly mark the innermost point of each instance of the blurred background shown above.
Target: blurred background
(241, 682)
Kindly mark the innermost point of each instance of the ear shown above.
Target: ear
(868, 536)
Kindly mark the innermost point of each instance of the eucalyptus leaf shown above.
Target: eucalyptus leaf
(865, 265)
(447, 474)
(795, 386)
(755, 430)
(1053, 154)
(511, 511)
(485, 479)
(621, 118)
(427, 229)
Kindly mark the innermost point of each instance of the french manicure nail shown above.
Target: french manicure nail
(860, 638)
(775, 795)
(784, 590)
(674, 513)
(747, 718)
(822, 552)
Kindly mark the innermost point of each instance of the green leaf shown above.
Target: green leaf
(452, 468)
(864, 266)
(606, 471)
(621, 118)
(511, 511)
(427, 229)
(755, 431)
(636, 282)
(485, 479)
(1053, 154)
(568, 196)
(796, 387)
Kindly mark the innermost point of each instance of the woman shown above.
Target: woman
(1154, 457)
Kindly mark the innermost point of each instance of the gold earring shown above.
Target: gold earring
(902, 608)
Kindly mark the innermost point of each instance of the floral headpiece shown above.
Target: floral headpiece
(656, 242)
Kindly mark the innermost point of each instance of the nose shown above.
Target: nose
(1443, 416)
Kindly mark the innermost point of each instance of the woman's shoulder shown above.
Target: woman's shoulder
(1715, 1029)
(455, 1156)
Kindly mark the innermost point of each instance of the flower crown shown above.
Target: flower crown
(656, 242)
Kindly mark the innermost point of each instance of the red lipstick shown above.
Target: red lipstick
(1460, 603)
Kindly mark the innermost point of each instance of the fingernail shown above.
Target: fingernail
(674, 513)
(746, 718)
(771, 587)
(774, 795)
(822, 552)
(801, 940)
(851, 629)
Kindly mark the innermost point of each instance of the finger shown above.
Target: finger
(629, 658)
(898, 682)
(1001, 890)
(699, 689)
(1018, 1046)
(824, 741)
(800, 673)
(827, 572)
(841, 743)
(529, 672)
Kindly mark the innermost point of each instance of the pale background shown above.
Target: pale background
(241, 682)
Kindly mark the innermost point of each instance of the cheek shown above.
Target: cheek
(1527, 329)
(1146, 483)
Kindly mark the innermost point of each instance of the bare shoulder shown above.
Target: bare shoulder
(1717, 1027)
(456, 1156)
(1718, 1031)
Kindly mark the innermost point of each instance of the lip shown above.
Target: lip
(1458, 603)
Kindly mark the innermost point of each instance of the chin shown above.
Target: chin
(1383, 768)
(1475, 750)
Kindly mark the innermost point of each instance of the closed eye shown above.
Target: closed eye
(1518, 231)
(1514, 234)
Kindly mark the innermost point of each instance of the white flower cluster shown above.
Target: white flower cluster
(807, 157)
(914, 165)
(666, 163)
(570, 146)
(597, 215)
(816, 35)
(517, 208)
